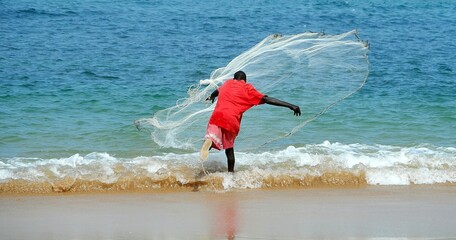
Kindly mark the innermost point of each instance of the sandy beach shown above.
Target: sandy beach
(364, 213)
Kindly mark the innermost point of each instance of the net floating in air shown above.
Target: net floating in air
(312, 70)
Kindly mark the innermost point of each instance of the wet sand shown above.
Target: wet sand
(365, 212)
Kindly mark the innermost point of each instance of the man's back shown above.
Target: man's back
(235, 97)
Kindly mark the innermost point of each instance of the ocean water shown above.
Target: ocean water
(74, 76)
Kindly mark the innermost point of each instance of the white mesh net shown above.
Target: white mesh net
(312, 70)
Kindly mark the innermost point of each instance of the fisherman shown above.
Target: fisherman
(235, 96)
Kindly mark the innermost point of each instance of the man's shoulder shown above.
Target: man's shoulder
(228, 82)
(250, 87)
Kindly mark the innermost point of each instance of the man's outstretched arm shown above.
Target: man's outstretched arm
(213, 96)
(277, 102)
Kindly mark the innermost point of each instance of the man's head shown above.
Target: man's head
(240, 75)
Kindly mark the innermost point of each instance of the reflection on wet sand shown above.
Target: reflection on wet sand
(226, 218)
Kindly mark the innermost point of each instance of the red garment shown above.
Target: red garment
(235, 97)
(220, 138)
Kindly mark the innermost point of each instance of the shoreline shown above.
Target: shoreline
(342, 179)
(416, 211)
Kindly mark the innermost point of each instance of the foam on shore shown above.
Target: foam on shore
(321, 165)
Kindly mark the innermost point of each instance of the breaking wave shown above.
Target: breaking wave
(319, 165)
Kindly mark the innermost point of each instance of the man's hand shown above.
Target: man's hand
(210, 98)
(296, 110)
(213, 96)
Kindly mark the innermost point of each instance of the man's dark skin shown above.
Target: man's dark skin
(269, 100)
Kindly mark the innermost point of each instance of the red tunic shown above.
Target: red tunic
(235, 97)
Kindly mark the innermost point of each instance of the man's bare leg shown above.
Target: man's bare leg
(205, 149)
(230, 159)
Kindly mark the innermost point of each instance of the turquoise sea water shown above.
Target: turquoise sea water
(75, 75)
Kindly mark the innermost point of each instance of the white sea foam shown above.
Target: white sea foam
(382, 165)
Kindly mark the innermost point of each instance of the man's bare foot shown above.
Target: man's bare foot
(205, 149)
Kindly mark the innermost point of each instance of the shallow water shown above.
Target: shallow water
(75, 75)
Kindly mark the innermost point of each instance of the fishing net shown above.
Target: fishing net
(312, 70)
